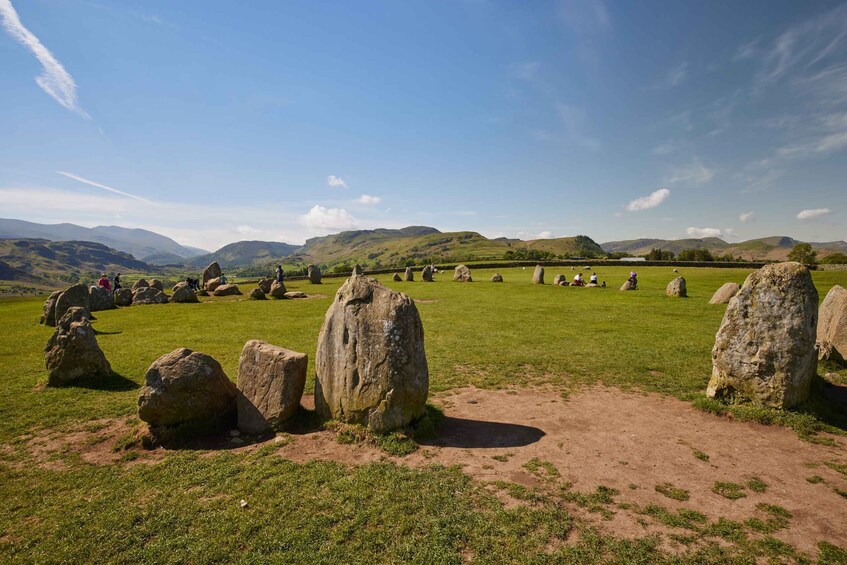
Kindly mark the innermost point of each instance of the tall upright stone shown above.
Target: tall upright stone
(832, 325)
(538, 275)
(314, 274)
(426, 273)
(409, 275)
(48, 314)
(271, 380)
(213, 271)
(462, 274)
(765, 348)
(74, 296)
(100, 299)
(72, 352)
(371, 365)
(677, 288)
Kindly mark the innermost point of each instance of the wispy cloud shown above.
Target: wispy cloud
(104, 187)
(693, 173)
(745, 217)
(54, 79)
(327, 220)
(703, 232)
(663, 149)
(336, 182)
(369, 200)
(813, 214)
(675, 76)
(647, 202)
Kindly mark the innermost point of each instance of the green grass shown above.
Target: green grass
(187, 504)
(757, 485)
(670, 491)
(732, 491)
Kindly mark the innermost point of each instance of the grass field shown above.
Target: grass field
(508, 335)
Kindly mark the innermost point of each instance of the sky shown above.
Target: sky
(213, 122)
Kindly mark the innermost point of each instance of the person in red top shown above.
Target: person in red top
(104, 282)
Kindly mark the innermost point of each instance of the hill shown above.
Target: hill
(773, 248)
(140, 243)
(243, 253)
(40, 260)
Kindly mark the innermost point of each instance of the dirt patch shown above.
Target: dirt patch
(424, 300)
(602, 437)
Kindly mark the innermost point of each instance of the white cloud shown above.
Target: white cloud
(675, 76)
(54, 79)
(336, 182)
(369, 200)
(103, 186)
(246, 230)
(745, 217)
(663, 149)
(813, 214)
(324, 219)
(703, 232)
(695, 172)
(647, 202)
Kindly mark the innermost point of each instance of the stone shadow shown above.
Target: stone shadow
(467, 434)
(115, 382)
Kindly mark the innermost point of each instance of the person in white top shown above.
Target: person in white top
(593, 278)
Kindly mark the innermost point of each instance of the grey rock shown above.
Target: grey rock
(278, 290)
(149, 295)
(100, 299)
(227, 290)
(497, 277)
(677, 288)
(357, 270)
(538, 275)
(213, 271)
(184, 295)
(294, 294)
(627, 285)
(257, 294)
(156, 283)
(397, 277)
(314, 274)
(725, 293)
(462, 274)
(559, 279)
(271, 382)
(265, 285)
(409, 275)
(48, 314)
(832, 325)
(140, 283)
(185, 386)
(212, 284)
(765, 348)
(72, 353)
(426, 273)
(123, 297)
(74, 296)
(371, 365)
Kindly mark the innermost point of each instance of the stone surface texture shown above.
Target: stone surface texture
(257, 294)
(725, 293)
(74, 296)
(278, 290)
(213, 271)
(48, 314)
(72, 353)
(100, 299)
(271, 382)
(184, 295)
(123, 297)
(677, 288)
(149, 295)
(426, 273)
(832, 325)
(314, 274)
(462, 274)
(538, 275)
(496, 277)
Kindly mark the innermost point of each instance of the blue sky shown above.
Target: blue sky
(213, 122)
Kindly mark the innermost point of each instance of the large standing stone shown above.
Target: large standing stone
(78, 296)
(213, 284)
(156, 283)
(677, 288)
(183, 294)
(149, 295)
(496, 277)
(725, 293)
(72, 352)
(271, 380)
(227, 290)
(462, 274)
(123, 297)
(426, 274)
(278, 290)
(185, 386)
(397, 277)
(371, 364)
(257, 294)
(140, 283)
(314, 274)
(48, 314)
(409, 275)
(213, 271)
(832, 325)
(100, 299)
(538, 275)
(765, 348)
(265, 285)
(357, 270)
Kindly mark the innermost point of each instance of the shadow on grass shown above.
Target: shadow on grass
(459, 432)
(98, 332)
(113, 383)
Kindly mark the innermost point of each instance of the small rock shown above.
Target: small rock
(497, 277)
(243, 503)
(278, 290)
(227, 290)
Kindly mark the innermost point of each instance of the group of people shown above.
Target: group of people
(579, 281)
(103, 282)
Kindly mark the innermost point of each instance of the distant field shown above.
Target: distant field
(509, 335)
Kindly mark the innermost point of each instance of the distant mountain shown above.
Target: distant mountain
(42, 260)
(137, 242)
(244, 253)
(773, 248)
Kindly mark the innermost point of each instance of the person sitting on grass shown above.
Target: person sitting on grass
(104, 282)
(577, 280)
(593, 278)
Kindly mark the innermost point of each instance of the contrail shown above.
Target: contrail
(104, 187)
(54, 79)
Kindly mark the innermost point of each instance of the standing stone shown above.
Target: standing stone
(123, 297)
(397, 277)
(409, 275)
(48, 314)
(265, 285)
(213, 271)
(278, 290)
(156, 283)
(426, 274)
(257, 294)
(72, 352)
(371, 365)
(149, 295)
(185, 386)
(314, 274)
(100, 299)
(497, 277)
(724, 293)
(765, 348)
(357, 270)
(627, 285)
(140, 283)
(213, 284)
(271, 382)
(184, 295)
(78, 296)
(557, 280)
(462, 274)
(538, 275)
(832, 325)
(677, 288)
(227, 290)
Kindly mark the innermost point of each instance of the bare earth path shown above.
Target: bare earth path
(630, 442)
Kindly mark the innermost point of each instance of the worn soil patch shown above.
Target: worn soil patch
(629, 442)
